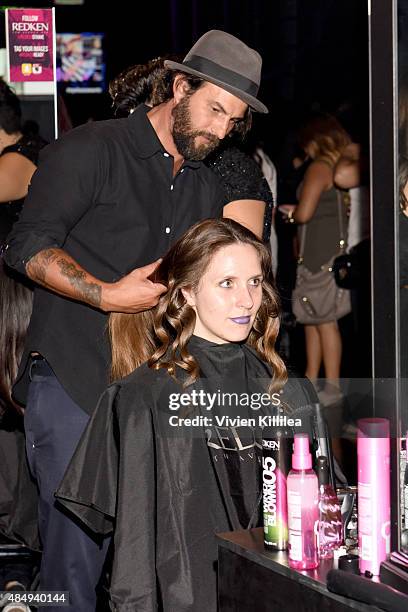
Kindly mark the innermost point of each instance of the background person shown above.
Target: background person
(19, 150)
(352, 174)
(323, 140)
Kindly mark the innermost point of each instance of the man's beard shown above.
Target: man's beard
(184, 136)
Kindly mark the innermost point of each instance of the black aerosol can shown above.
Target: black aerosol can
(276, 464)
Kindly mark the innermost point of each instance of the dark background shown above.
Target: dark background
(315, 52)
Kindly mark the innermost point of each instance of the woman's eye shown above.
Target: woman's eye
(255, 282)
(226, 283)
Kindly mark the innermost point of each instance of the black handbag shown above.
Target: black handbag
(351, 269)
(346, 270)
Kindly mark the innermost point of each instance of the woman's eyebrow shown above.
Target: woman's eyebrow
(233, 277)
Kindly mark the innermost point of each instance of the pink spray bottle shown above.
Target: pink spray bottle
(303, 507)
(374, 520)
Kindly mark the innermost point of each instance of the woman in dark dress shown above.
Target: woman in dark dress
(19, 150)
(248, 197)
(160, 464)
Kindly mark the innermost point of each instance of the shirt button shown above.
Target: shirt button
(172, 187)
(166, 155)
(167, 230)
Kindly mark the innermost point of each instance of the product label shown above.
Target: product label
(406, 505)
(403, 464)
(295, 525)
(295, 546)
(275, 464)
(269, 491)
(366, 547)
(272, 445)
(365, 520)
(386, 534)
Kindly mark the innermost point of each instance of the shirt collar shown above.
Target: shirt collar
(148, 143)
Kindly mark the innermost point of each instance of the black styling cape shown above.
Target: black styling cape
(165, 491)
(18, 491)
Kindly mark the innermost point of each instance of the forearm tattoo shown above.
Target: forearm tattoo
(37, 266)
(86, 291)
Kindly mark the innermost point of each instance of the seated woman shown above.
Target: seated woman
(167, 460)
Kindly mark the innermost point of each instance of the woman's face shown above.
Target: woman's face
(229, 295)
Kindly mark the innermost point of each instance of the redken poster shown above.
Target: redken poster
(30, 44)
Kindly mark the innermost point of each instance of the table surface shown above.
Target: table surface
(249, 544)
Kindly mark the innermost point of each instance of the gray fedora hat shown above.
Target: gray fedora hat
(226, 61)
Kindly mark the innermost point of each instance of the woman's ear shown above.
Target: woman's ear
(188, 295)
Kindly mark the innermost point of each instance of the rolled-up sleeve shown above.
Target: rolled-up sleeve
(62, 190)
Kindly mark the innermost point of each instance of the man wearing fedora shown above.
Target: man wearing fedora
(106, 203)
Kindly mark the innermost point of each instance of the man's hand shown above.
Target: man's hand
(134, 292)
(57, 271)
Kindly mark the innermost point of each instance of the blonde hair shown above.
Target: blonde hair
(327, 136)
(160, 336)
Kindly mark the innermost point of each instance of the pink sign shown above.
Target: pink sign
(30, 42)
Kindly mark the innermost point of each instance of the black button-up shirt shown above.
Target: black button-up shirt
(105, 193)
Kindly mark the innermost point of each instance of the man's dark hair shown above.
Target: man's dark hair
(152, 83)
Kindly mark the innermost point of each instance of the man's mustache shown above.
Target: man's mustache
(213, 139)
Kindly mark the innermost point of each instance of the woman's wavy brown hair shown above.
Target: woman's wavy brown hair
(326, 134)
(160, 336)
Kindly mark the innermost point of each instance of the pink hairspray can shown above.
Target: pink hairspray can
(374, 519)
(303, 507)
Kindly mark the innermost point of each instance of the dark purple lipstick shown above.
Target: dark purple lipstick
(241, 320)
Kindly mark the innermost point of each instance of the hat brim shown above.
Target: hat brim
(252, 102)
